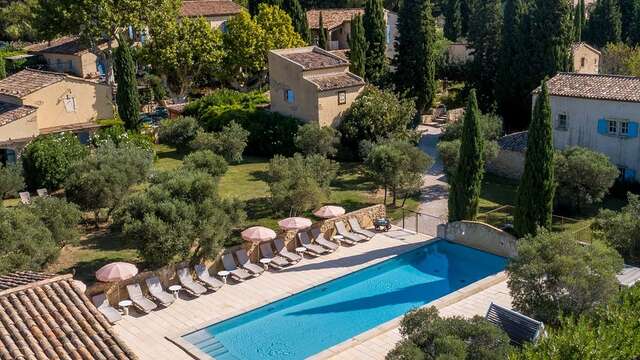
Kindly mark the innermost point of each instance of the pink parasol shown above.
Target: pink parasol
(294, 223)
(329, 211)
(116, 271)
(258, 234)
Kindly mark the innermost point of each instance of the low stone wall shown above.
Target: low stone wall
(117, 291)
(508, 164)
(480, 236)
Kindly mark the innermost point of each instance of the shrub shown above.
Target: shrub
(312, 139)
(48, 159)
(178, 132)
(206, 161)
(490, 125)
(230, 142)
(450, 151)
(425, 335)
(118, 135)
(621, 229)
(584, 177)
(11, 180)
(221, 97)
(554, 275)
(60, 217)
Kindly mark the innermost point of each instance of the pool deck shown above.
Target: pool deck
(154, 335)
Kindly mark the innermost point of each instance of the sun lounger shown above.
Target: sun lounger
(25, 198)
(276, 260)
(342, 231)
(102, 303)
(246, 264)
(312, 248)
(140, 301)
(206, 278)
(520, 328)
(284, 252)
(355, 227)
(42, 192)
(157, 292)
(188, 284)
(230, 266)
(319, 238)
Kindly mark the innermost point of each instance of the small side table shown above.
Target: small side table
(301, 250)
(339, 239)
(176, 290)
(223, 274)
(124, 304)
(265, 262)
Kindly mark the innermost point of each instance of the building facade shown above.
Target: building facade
(599, 112)
(586, 59)
(216, 12)
(312, 84)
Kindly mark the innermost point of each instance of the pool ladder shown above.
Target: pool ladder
(215, 349)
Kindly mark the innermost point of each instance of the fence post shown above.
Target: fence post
(417, 215)
(403, 218)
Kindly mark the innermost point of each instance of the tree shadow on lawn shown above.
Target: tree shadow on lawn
(260, 175)
(174, 154)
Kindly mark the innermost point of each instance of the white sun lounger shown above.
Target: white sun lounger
(283, 251)
(140, 301)
(157, 292)
(319, 238)
(342, 231)
(25, 198)
(355, 227)
(246, 264)
(102, 303)
(312, 248)
(206, 278)
(230, 266)
(188, 284)
(276, 260)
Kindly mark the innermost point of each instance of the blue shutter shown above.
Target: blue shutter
(603, 126)
(629, 175)
(130, 32)
(633, 129)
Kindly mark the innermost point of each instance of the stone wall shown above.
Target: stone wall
(480, 236)
(508, 164)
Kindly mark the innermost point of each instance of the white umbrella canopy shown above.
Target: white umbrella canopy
(116, 271)
(329, 211)
(294, 223)
(258, 234)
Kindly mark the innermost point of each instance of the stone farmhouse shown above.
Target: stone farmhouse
(586, 58)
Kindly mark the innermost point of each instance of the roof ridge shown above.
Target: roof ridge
(598, 75)
(36, 284)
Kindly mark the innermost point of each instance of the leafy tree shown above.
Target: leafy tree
(299, 18)
(466, 185)
(178, 132)
(206, 161)
(453, 20)
(16, 20)
(322, 34)
(48, 159)
(534, 203)
(11, 180)
(183, 51)
(60, 217)
(374, 31)
(584, 177)
(604, 24)
(230, 142)
(127, 94)
(426, 335)
(416, 56)
(621, 229)
(298, 184)
(375, 115)
(620, 59)
(357, 47)
(554, 275)
(312, 139)
(279, 31)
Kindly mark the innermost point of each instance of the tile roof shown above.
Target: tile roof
(514, 142)
(65, 45)
(331, 18)
(193, 8)
(10, 113)
(53, 319)
(336, 81)
(27, 81)
(575, 46)
(593, 86)
(19, 278)
(312, 58)
(342, 54)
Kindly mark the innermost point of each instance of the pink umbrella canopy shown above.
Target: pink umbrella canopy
(294, 223)
(329, 211)
(258, 234)
(116, 271)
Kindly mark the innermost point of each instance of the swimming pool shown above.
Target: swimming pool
(311, 321)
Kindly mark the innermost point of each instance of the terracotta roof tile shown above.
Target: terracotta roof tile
(592, 86)
(343, 54)
(19, 278)
(336, 81)
(331, 18)
(53, 319)
(27, 81)
(64, 45)
(10, 113)
(313, 58)
(192, 8)
(514, 142)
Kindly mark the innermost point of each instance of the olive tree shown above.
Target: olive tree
(206, 161)
(230, 142)
(621, 229)
(11, 180)
(178, 132)
(313, 139)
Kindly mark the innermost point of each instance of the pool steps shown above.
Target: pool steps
(215, 349)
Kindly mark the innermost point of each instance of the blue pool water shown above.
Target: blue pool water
(316, 319)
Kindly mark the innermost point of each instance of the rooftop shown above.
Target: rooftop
(336, 81)
(193, 8)
(20, 278)
(70, 45)
(342, 54)
(28, 81)
(592, 86)
(514, 142)
(53, 319)
(312, 58)
(8, 114)
(584, 44)
(331, 18)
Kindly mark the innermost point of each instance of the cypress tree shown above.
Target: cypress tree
(322, 34)
(577, 24)
(534, 204)
(583, 11)
(416, 55)
(628, 14)
(605, 25)
(127, 92)
(252, 6)
(357, 47)
(634, 31)
(465, 189)
(466, 8)
(374, 30)
(298, 17)
(453, 20)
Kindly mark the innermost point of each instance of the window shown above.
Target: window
(613, 126)
(342, 97)
(84, 137)
(583, 62)
(388, 34)
(624, 128)
(289, 96)
(562, 122)
(69, 104)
